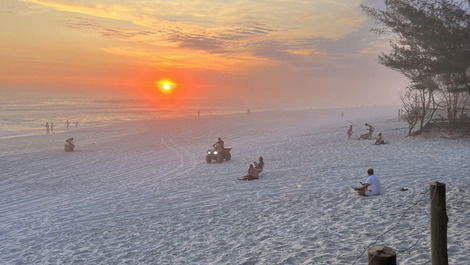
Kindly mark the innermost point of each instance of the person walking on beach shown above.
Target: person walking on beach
(349, 132)
(372, 185)
(47, 127)
(67, 124)
(52, 127)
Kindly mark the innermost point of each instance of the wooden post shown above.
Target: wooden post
(438, 223)
(381, 255)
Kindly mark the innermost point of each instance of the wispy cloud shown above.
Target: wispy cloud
(191, 59)
(262, 31)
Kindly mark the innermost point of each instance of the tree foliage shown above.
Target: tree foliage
(430, 46)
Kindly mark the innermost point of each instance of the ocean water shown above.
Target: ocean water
(28, 117)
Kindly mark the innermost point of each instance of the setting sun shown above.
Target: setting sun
(166, 86)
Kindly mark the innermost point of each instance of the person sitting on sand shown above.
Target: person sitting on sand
(69, 146)
(252, 173)
(370, 130)
(380, 140)
(349, 132)
(372, 185)
(259, 166)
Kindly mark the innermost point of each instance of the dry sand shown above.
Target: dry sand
(141, 192)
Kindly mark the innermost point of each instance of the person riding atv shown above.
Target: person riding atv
(219, 144)
(219, 153)
(69, 146)
(368, 136)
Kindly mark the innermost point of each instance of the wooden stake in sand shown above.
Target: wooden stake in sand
(381, 255)
(438, 223)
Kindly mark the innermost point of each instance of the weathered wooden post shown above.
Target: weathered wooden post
(381, 255)
(438, 223)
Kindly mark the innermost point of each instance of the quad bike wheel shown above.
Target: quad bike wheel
(220, 158)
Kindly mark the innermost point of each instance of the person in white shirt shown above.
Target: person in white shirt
(372, 185)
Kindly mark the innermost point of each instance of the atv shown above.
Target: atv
(219, 156)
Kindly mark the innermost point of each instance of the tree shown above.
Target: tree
(430, 46)
(411, 107)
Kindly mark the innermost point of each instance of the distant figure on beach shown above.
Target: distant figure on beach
(370, 130)
(349, 132)
(76, 124)
(259, 166)
(69, 146)
(252, 173)
(380, 140)
(52, 127)
(372, 185)
(198, 114)
(47, 127)
(67, 124)
(248, 112)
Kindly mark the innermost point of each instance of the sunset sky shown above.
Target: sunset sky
(318, 53)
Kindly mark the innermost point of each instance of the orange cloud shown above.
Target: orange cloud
(191, 59)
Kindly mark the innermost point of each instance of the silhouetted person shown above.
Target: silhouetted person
(52, 127)
(67, 124)
(349, 132)
(47, 127)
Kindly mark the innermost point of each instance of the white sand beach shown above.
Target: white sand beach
(140, 192)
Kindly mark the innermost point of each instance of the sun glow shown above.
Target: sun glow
(166, 86)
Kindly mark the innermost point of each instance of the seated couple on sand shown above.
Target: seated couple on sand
(372, 185)
(254, 170)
